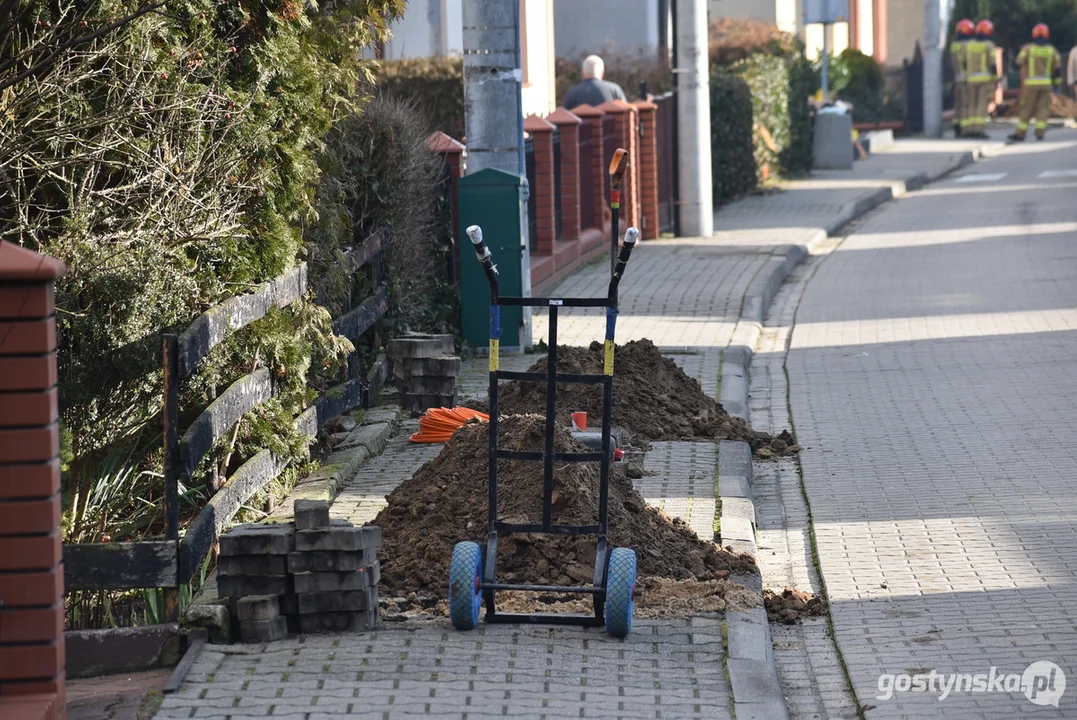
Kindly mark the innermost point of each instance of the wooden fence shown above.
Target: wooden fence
(171, 562)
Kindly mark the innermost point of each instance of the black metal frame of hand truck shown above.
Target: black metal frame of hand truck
(489, 585)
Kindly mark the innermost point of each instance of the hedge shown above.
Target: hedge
(772, 126)
(734, 166)
(435, 85)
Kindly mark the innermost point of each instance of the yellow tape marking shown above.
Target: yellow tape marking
(609, 357)
(495, 352)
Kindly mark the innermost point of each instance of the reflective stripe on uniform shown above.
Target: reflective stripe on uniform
(978, 60)
(1041, 64)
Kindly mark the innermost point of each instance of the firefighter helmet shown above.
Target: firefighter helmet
(985, 27)
(1041, 31)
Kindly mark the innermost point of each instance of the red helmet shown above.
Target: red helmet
(1041, 31)
(985, 27)
(966, 27)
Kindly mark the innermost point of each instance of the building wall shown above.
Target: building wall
(904, 28)
(765, 10)
(597, 26)
(537, 57)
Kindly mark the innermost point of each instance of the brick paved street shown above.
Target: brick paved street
(686, 296)
(931, 372)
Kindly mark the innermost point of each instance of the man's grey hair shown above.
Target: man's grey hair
(593, 67)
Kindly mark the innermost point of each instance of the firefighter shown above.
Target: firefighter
(958, 54)
(982, 77)
(1042, 63)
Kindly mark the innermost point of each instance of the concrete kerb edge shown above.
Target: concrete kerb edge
(756, 687)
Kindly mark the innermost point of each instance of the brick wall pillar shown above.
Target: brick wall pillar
(452, 152)
(648, 169)
(31, 550)
(622, 130)
(594, 164)
(569, 127)
(545, 184)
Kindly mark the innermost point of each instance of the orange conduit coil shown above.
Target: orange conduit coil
(438, 424)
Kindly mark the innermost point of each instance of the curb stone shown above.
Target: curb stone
(753, 675)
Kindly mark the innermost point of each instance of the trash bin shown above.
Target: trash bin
(495, 200)
(833, 141)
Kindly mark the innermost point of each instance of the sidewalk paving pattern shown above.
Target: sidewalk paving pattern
(932, 375)
(685, 295)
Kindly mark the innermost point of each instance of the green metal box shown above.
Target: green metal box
(496, 201)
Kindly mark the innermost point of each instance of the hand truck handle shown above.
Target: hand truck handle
(631, 236)
(485, 258)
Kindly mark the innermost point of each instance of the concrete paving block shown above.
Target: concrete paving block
(753, 680)
(338, 622)
(738, 508)
(446, 366)
(415, 347)
(257, 608)
(372, 438)
(770, 710)
(424, 385)
(338, 538)
(339, 601)
(736, 528)
(316, 582)
(735, 458)
(258, 539)
(747, 635)
(311, 514)
(733, 486)
(329, 561)
(289, 604)
(419, 402)
(252, 565)
(238, 586)
(263, 631)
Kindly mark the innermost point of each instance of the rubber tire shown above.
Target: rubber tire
(620, 588)
(465, 572)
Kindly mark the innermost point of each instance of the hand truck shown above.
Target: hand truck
(473, 572)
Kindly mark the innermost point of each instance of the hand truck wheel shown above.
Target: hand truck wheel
(620, 592)
(465, 574)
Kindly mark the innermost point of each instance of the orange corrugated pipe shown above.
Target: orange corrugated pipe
(438, 424)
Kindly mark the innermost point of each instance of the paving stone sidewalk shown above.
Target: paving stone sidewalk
(686, 296)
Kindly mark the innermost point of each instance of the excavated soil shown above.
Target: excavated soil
(792, 605)
(445, 502)
(653, 399)
(1061, 107)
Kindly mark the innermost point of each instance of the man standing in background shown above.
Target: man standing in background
(593, 90)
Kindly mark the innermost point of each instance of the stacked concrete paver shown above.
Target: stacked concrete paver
(313, 575)
(425, 368)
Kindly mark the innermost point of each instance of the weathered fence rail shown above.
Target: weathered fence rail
(171, 562)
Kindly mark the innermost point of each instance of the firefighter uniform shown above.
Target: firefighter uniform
(982, 80)
(959, 59)
(1040, 61)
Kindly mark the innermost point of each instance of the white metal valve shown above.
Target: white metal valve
(631, 236)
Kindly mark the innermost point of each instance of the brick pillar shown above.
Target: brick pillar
(593, 165)
(648, 169)
(622, 129)
(545, 185)
(31, 550)
(569, 127)
(452, 152)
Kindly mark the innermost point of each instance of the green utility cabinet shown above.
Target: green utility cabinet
(496, 201)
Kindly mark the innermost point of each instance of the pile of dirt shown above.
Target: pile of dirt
(445, 502)
(655, 598)
(792, 605)
(653, 399)
(1061, 107)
